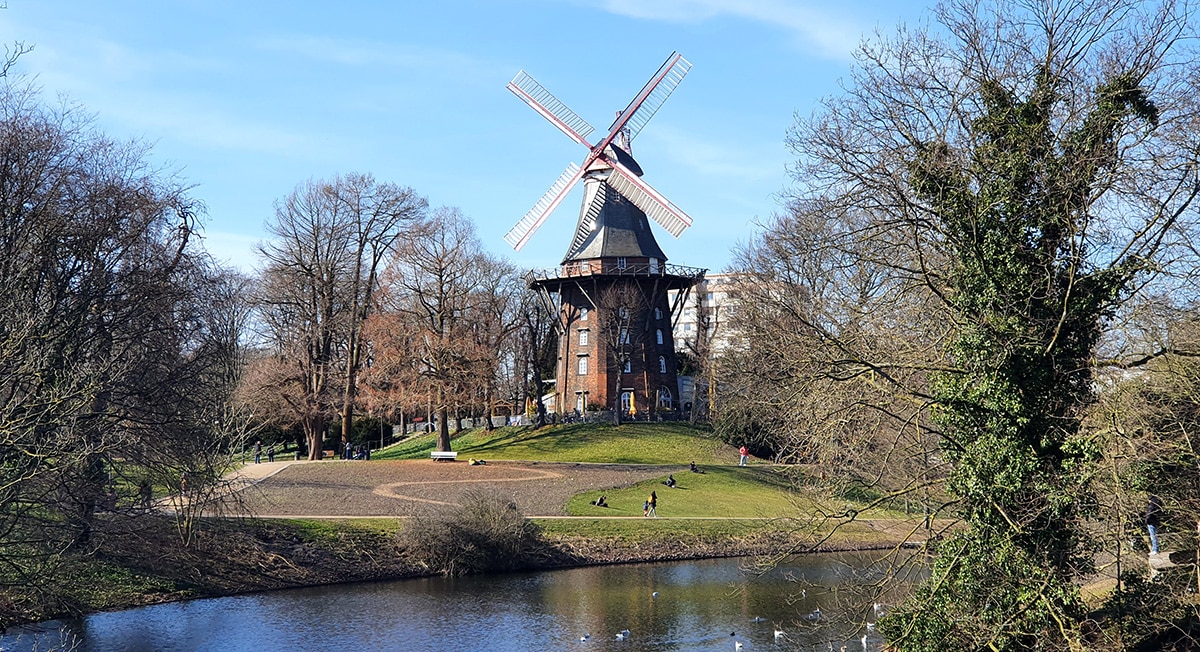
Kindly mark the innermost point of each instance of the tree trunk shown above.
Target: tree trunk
(539, 388)
(443, 437)
(314, 434)
(347, 417)
(489, 401)
(617, 401)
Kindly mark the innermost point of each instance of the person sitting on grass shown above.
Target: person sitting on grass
(670, 481)
(600, 502)
(694, 469)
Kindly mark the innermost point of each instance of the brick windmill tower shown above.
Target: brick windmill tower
(614, 293)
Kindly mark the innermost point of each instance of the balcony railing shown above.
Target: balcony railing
(611, 268)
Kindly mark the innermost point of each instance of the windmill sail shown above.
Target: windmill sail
(544, 102)
(624, 180)
(652, 203)
(524, 229)
(656, 91)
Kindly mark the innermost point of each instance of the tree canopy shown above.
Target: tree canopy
(974, 210)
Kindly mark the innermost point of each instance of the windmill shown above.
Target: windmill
(611, 152)
(630, 371)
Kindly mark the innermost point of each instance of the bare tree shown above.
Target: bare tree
(430, 287)
(1012, 177)
(493, 317)
(535, 352)
(329, 239)
(111, 345)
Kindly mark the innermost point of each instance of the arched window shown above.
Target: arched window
(583, 337)
(658, 315)
(583, 366)
(662, 364)
(624, 337)
(658, 334)
(583, 313)
(628, 367)
(665, 400)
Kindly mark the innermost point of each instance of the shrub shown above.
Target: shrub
(487, 533)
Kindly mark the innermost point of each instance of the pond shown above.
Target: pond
(679, 606)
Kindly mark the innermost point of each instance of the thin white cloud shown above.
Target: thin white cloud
(831, 36)
(358, 53)
(744, 162)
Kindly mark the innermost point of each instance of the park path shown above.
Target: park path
(254, 473)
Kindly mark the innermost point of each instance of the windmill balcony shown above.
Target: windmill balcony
(605, 267)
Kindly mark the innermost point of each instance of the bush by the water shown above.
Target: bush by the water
(487, 533)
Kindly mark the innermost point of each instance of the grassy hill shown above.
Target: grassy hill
(631, 443)
(722, 490)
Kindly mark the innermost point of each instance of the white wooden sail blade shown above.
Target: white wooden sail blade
(544, 102)
(528, 225)
(652, 96)
(652, 203)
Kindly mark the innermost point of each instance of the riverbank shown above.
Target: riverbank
(140, 561)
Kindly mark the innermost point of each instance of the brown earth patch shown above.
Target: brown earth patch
(403, 488)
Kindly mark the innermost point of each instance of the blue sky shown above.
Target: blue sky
(248, 99)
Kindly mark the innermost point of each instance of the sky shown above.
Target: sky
(246, 100)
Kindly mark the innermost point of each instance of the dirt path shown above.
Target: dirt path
(401, 488)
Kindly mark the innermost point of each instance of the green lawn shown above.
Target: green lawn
(634, 443)
(725, 491)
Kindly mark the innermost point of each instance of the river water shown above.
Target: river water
(679, 606)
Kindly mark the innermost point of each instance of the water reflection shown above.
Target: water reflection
(705, 605)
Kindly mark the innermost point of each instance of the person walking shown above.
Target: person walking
(745, 453)
(258, 452)
(145, 494)
(1153, 520)
(652, 505)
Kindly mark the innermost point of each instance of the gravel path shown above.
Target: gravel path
(400, 488)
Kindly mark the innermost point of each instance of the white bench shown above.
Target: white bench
(443, 455)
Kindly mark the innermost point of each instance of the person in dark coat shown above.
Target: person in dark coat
(1153, 521)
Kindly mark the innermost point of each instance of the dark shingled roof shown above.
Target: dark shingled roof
(611, 226)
